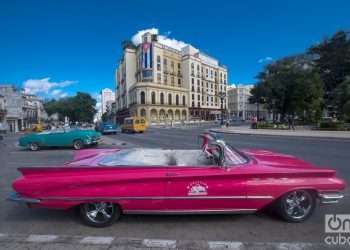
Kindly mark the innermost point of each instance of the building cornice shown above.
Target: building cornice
(157, 86)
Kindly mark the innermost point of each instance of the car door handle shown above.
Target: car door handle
(171, 174)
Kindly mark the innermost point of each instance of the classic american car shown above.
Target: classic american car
(107, 128)
(105, 183)
(61, 137)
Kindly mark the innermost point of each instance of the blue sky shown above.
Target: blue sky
(60, 47)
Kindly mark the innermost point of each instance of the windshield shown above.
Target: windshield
(234, 156)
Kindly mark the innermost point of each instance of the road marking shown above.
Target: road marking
(97, 240)
(225, 244)
(41, 238)
(159, 243)
(293, 246)
(72, 240)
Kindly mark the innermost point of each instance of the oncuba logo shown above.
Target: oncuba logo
(337, 223)
(338, 226)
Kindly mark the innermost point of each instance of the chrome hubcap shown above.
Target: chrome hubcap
(298, 204)
(77, 145)
(99, 212)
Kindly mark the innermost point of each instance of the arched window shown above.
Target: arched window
(143, 99)
(184, 100)
(153, 98)
(161, 98)
(169, 99)
(177, 100)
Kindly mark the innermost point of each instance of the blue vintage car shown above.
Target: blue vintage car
(107, 128)
(62, 137)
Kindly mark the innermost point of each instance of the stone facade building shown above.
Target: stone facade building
(21, 109)
(165, 84)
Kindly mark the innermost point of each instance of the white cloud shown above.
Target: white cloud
(58, 93)
(265, 59)
(163, 39)
(43, 86)
(137, 38)
(97, 96)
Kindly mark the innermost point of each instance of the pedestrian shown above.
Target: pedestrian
(291, 122)
(254, 122)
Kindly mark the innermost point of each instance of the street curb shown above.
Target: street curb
(279, 135)
(136, 243)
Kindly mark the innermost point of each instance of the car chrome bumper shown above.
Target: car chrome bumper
(17, 198)
(93, 141)
(330, 198)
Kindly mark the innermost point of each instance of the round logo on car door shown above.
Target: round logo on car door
(197, 188)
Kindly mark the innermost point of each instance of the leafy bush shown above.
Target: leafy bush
(333, 126)
(269, 125)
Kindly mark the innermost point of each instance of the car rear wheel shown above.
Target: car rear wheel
(34, 146)
(78, 144)
(297, 206)
(99, 214)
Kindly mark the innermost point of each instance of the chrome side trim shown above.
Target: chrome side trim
(15, 197)
(159, 198)
(260, 197)
(330, 198)
(191, 211)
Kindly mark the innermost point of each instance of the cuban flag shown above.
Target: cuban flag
(146, 56)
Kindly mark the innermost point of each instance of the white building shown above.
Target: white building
(238, 102)
(107, 97)
(2, 113)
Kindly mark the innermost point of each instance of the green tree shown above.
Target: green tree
(291, 86)
(258, 97)
(332, 57)
(80, 107)
(341, 95)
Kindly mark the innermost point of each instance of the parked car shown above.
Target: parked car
(134, 125)
(61, 137)
(107, 128)
(105, 183)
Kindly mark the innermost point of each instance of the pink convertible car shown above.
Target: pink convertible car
(105, 183)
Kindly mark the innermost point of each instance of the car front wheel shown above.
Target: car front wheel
(34, 146)
(99, 214)
(78, 144)
(297, 206)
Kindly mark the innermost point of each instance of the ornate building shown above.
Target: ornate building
(162, 83)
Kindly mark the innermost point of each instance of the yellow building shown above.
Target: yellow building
(161, 83)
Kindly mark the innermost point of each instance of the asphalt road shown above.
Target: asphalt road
(261, 227)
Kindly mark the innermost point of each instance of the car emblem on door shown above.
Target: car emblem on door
(197, 188)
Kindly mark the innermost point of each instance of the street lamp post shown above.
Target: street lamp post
(222, 96)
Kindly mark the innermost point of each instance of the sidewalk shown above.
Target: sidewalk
(244, 130)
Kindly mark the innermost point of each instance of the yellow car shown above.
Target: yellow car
(37, 128)
(134, 125)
